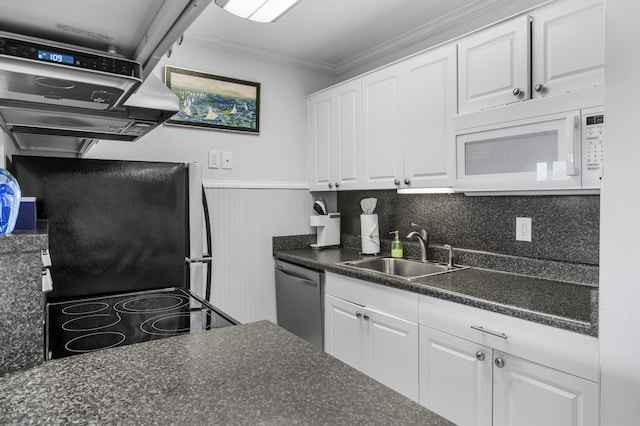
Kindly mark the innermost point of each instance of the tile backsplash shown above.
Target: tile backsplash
(564, 228)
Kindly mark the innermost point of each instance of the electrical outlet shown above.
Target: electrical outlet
(214, 159)
(523, 229)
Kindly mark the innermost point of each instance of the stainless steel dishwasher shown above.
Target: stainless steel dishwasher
(299, 301)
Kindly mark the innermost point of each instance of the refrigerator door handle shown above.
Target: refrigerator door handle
(203, 259)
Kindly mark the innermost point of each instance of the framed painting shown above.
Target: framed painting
(214, 102)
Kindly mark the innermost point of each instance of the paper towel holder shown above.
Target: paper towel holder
(369, 234)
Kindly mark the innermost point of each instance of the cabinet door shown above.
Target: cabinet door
(344, 331)
(455, 378)
(530, 394)
(494, 66)
(429, 103)
(380, 102)
(568, 47)
(392, 352)
(320, 135)
(348, 135)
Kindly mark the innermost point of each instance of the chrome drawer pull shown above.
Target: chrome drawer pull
(493, 333)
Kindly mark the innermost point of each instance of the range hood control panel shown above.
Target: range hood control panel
(84, 60)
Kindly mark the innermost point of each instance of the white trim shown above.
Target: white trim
(424, 32)
(246, 184)
(421, 34)
(234, 47)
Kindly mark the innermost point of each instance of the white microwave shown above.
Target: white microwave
(558, 152)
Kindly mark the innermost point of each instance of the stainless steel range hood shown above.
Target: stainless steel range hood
(71, 70)
(39, 126)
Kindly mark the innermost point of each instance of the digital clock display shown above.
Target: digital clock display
(55, 57)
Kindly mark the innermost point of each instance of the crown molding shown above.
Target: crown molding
(234, 47)
(421, 34)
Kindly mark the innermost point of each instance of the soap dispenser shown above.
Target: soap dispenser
(396, 245)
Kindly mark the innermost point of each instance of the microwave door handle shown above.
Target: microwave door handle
(573, 131)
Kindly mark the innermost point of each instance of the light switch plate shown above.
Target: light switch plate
(214, 159)
(227, 160)
(523, 229)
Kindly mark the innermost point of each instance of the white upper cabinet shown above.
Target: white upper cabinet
(394, 127)
(494, 66)
(429, 102)
(558, 49)
(381, 118)
(408, 114)
(334, 120)
(568, 47)
(320, 110)
(348, 136)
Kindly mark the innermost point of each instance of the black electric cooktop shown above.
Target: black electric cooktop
(87, 325)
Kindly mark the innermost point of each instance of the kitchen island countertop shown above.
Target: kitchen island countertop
(256, 374)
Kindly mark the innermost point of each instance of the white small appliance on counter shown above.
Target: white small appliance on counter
(328, 234)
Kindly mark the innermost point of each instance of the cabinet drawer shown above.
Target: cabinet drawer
(573, 353)
(399, 303)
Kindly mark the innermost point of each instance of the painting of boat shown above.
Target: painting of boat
(215, 102)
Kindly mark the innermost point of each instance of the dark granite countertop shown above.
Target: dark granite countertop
(257, 374)
(25, 241)
(559, 304)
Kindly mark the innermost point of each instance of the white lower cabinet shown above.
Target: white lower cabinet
(469, 365)
(530, 394)
(455, 378)
(377, 341)
(483, 368)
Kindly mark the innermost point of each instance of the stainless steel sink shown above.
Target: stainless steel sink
(403, 268)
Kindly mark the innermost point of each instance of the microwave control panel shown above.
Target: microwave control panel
(592, 150)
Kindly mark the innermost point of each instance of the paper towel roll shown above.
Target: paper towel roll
(370, 235)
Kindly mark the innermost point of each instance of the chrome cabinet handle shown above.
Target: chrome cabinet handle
(480, 356)
(358, 314)
(330, 185)
(539, 87)
(366, 317)
(491, 332)
(407, 181)
(516, 92)
(499, 362)
(396, 182)
(337, 184)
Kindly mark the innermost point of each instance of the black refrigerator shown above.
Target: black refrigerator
(129, 243)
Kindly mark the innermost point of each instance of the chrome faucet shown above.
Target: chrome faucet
(450, 263)
(423, 239)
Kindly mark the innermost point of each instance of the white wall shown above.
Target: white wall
(264, 194)
(276, 155)
(243, 222)
(619, 227)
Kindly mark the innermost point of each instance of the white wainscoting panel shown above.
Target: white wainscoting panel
(243, 221)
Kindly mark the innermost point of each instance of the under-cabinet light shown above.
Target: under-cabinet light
(442, 190)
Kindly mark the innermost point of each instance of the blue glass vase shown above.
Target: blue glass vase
(9, 201)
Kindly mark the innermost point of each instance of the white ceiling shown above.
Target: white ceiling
(336, 35)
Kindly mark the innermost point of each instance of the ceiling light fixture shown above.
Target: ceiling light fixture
(257, 10)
